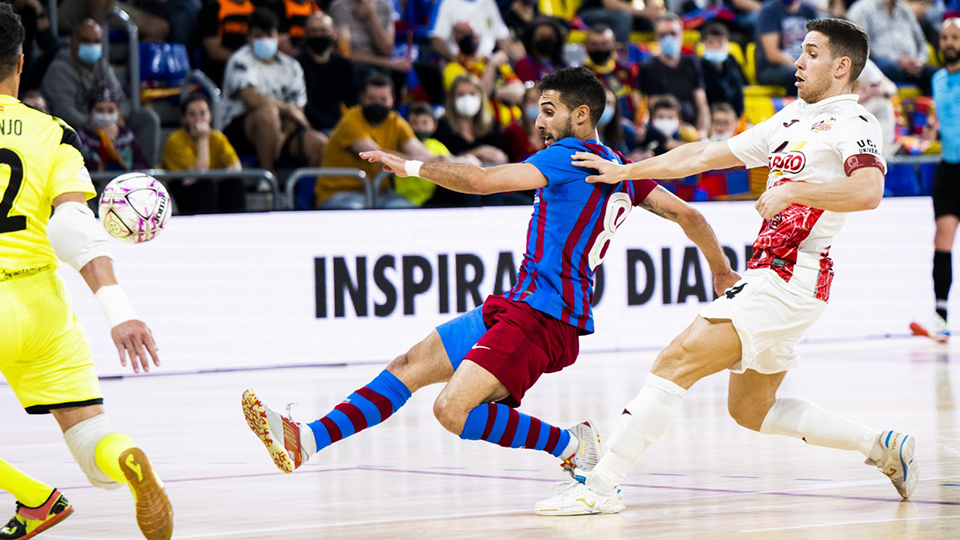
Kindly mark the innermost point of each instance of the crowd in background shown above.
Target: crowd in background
(312, 83)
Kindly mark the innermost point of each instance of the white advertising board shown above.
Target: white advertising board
(278, 289)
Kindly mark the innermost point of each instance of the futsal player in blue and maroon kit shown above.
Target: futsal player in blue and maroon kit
(490, 356)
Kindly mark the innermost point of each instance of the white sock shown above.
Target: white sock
(573, 445)
(645, 420)
(805, 420)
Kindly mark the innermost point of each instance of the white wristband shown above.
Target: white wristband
(115, 305)
(412, 167)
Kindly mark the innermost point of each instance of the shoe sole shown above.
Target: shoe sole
(154, 512)
(49, 523)
(556, 512)
(256, 418)
(921, 331)
(911, 479)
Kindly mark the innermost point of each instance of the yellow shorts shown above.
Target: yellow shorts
(44, 352)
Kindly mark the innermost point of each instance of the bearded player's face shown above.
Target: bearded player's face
(950, 41)
(815, 68)
(554, 122)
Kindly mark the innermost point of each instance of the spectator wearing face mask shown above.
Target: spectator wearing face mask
(371, 125)
(615, 132)
(671, 73)
(77, 75)
(492, 33)
(266, 93)
(518, 15)
(601, 49)
(321, 65)
(107, 144)
(780, 31)
(723, 121)
(468, 126)
(662, 133)
(522, 139)
(543, 40)
(722, 77)
(497, 78)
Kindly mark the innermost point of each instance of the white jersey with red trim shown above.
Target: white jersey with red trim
(816, 143)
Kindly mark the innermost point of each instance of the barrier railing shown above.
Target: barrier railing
(199, 78)
(308, 172)
(133, 42)
(276, 204)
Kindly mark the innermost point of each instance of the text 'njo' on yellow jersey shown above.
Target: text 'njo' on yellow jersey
(44, 352)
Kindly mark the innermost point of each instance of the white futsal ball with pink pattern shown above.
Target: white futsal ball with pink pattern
(134, 207)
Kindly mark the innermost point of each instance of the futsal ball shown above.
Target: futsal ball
(134, 207)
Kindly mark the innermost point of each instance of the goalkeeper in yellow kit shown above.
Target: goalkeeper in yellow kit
(44, 353)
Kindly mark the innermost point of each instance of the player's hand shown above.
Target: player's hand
(774, 200)
(135, 341)
(722, 282)
(391, 163)
(610, 172)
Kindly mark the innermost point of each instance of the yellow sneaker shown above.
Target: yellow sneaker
(29, 522)
(154, 513)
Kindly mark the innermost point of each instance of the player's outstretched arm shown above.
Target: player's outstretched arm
(668, 206)
(683, 161)
(463, 178)
(862, 190)
(79, 241)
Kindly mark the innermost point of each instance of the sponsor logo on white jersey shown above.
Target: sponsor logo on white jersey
(788, 159)
(823, 125)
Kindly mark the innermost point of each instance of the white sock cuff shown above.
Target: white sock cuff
(770, 420)
(665, 385)
(82, 440)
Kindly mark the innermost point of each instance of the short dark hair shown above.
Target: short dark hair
(421, 108)
(600, 28)
(715, 29)
(11, 40)
(190, 100)
(264, 19)
(379, 80)
(845, 39)
(664, 101)
(578, 86)
(722, 106)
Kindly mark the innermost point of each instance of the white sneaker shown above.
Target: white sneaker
(576, 499)
(587, 455)
(279, 434)
(897, 461)
(935, 328)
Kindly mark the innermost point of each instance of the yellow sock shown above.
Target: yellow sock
(108, 455)
(28, 490)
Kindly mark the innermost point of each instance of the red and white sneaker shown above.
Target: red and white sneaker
(935, 328)
(279, 434)
(588, 453)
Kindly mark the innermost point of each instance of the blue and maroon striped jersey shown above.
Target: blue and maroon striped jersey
(571, 227)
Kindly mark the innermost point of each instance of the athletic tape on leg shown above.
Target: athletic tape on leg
(82, 440)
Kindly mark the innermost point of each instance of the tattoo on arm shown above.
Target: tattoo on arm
(653, 207)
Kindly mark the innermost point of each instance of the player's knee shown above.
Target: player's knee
(82, 440)
(449, 416)
(747, 413)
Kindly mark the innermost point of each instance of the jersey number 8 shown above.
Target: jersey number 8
(616, 212)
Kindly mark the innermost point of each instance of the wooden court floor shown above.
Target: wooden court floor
(410, 479)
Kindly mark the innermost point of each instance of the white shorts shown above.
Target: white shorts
(770, 318)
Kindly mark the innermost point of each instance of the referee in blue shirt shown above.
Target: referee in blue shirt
(946, 183)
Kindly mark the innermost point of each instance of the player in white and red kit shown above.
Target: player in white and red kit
(823, 152)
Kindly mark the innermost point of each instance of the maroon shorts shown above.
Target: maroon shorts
(521, 344)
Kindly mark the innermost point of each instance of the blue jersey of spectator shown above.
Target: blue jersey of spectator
(787, 19)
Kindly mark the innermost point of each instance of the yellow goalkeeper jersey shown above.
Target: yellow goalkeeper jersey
(39, 160)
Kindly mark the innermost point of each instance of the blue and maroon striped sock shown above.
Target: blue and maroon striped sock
(499, 424)
(362, 409)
